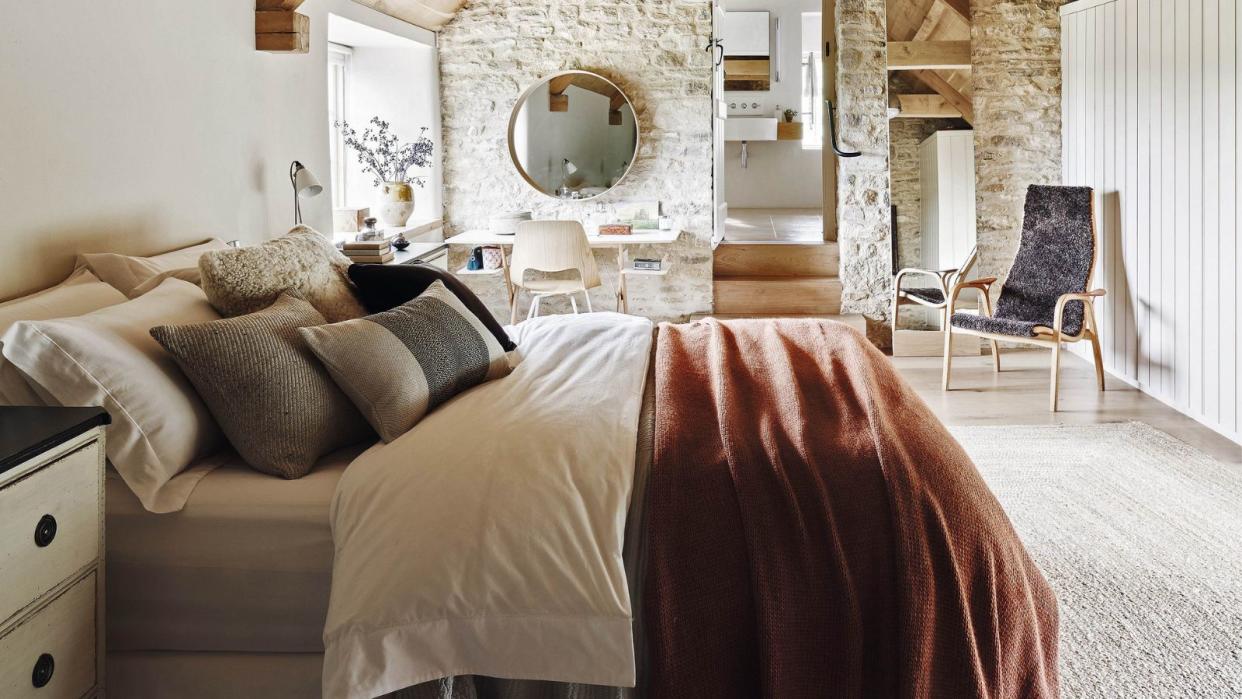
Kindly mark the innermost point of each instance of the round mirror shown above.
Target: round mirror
(573, 135)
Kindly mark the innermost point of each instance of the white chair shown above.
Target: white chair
(552, 247)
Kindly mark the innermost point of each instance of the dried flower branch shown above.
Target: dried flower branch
(383, 155)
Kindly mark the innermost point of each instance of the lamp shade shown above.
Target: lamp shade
(305, 183)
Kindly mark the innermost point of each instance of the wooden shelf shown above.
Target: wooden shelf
(789, 131)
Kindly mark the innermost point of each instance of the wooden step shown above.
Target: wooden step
(764, 295)
(854, 320)
(776, 260)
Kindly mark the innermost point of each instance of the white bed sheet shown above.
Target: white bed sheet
(488, 539)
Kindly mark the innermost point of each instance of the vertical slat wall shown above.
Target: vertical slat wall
(1150, 112)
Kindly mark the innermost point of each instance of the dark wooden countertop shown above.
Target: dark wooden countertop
(26, 432)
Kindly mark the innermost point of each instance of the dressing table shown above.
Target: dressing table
(620, 242)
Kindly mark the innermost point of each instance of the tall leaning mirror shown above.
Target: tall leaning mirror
(573, 135)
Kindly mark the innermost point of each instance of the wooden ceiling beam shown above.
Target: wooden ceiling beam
(947, 91)
(929, 55)
(278, 29)
(428, 14)
(926, 107)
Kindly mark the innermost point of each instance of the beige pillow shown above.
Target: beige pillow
(400, 364)
(273, 399)
(302, 263)
(108, 358)
(130, 275)
(81, 293)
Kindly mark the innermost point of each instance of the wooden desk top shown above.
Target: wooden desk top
(481, 237)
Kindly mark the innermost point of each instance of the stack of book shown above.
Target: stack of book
(369, 251)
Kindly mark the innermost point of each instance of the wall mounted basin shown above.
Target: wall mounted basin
(750, 128)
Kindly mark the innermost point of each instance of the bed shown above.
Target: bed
(709, 509)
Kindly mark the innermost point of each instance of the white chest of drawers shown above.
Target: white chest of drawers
(51, 552)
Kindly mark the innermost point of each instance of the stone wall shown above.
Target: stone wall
(863, 212)
(1016, 62)
(653, 50)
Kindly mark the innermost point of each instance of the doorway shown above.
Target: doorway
(774, 243)
(770, 83)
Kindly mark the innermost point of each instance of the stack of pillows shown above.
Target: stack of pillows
(284, 350)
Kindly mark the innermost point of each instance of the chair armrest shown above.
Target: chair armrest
(981, 283)
(942, 274)
(928, 272)
(984, 285)
(1085, 296)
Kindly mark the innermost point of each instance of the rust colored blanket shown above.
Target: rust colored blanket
(814, 531)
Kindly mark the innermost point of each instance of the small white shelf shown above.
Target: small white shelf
(465, 272)
(646, 272)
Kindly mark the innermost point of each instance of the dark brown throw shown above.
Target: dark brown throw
(814, 531)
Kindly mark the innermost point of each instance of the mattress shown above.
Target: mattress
(244, 567)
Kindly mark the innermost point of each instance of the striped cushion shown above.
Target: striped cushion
(400, 364)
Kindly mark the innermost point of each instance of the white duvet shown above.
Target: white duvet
(488, 539)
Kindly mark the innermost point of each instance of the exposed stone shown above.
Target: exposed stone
(653, 50)
(1016, 69)
(863, 183)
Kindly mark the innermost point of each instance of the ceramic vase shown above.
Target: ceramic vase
(396, 203)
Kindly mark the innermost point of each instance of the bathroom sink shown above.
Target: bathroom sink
(750, 128)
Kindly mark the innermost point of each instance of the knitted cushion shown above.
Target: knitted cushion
(274, 401)
(1054, 258)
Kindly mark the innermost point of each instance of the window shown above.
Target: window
(812, 81)
(339, 58)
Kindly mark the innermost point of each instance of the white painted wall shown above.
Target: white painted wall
(780, 174)
(135, 127)
(1150, 111)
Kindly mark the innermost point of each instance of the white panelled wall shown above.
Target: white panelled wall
(1150, 108)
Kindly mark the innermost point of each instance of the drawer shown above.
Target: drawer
(66, 492)
(59, 638)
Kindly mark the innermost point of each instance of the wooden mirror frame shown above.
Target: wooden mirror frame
(517, 108)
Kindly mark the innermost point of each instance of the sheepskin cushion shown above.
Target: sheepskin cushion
(301, 263)
(1054, 258)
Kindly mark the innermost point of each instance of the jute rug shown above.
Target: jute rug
(1141, 536)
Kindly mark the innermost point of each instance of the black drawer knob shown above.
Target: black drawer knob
(43, 669)
(45, 531)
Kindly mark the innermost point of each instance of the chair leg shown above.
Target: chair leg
(587, 296)
(1099, 360)
(1056, 377)
(896, 313)
(513, 309)
(948, 354)
(573, 303)
(987, 308)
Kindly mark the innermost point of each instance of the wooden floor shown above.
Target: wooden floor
(1019, 396)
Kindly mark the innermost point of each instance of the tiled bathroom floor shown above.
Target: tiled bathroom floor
(774, 226)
